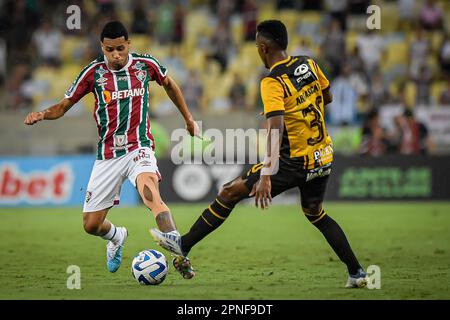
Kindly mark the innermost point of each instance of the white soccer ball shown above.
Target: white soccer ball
(149, 267)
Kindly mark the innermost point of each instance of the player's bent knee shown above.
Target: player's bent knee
(312, 209)
(92, 223)
(91, 227)
(232, 194)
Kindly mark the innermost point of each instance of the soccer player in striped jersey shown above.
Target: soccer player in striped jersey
(120, 82)
(299, 151)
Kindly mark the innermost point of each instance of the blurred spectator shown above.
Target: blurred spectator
(303, 48)
(379, 92)
(338, 10)
(19, 99)
(423, 85)
(359, 83)
(107, 9)
(418, 52)
(2, 61)
(407, 14)
(343, 107)
(444, 98)
(18, 20)
(93, 47)
(224, 9)
(249, 19)
(358, 6)
(374, 140)
(179, 17)
(431, 16)
(262, 72)
(238, 94)
(401, 97)
(48, 41)
(355, 61)
(140, 23)
(371, 48)
(312, 4)
(444, 55)
(412, 135)
(193, 91)
(285, 4)
(222, 45)
(165, 22)
(346, 139)
(333, 46)
(176, 65)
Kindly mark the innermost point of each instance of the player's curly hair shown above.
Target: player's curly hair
(113, 30)
(274, 30)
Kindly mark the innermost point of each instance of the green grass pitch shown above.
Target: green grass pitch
(273, 254)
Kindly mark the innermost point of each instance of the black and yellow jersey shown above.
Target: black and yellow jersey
(294, 88)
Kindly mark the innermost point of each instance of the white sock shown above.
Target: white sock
(114, 234)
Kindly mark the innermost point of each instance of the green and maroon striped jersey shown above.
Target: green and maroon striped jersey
(121, 102)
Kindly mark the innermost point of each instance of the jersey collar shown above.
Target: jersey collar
(280, 62)
(130, 60)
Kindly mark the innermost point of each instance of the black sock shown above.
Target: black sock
(337, 240)
(210, 219)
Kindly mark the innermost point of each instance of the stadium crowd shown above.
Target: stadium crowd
(209, 47)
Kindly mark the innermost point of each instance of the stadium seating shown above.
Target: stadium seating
(200, 25)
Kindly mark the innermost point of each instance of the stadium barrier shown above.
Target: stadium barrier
(62, 181)
(50, 181)
(352, 178)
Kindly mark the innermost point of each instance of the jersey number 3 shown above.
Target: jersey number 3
(316, 122)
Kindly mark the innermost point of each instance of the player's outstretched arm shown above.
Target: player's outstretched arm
(174, 93)
(54, 112)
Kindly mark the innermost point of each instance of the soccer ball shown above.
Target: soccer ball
(149, 267)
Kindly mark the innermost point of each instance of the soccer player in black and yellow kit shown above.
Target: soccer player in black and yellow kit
(299, 152)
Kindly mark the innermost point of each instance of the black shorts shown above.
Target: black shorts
(311, 183)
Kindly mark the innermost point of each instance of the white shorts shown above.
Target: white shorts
(107, 177)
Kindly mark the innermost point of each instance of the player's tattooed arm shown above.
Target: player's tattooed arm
(54, 112)
(327, 96)
(175, 94)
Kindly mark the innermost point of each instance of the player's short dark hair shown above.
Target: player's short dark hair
(274, 30)
(113, 30)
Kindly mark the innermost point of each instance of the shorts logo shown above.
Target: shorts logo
(88, 196)
(319, 172)
(142, 155)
